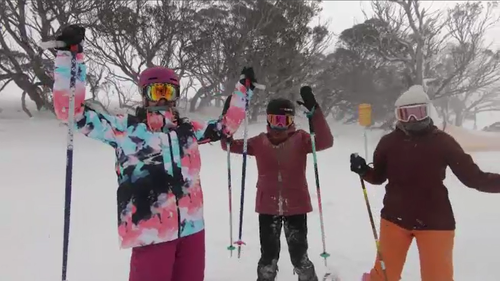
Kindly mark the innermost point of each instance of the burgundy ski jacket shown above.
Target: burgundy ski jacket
(415, 167)
(282, 186)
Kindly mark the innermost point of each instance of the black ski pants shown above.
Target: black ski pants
(295, 227)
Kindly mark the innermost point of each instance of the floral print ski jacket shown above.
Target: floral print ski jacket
(159, 192)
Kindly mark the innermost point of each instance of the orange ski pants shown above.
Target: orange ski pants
(435, 249)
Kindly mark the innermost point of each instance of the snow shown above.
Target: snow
(33, 163)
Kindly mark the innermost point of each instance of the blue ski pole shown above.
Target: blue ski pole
(69, 162)
(312, 133)
(244, 169)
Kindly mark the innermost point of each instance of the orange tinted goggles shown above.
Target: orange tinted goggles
(158, 91)
(276, 121)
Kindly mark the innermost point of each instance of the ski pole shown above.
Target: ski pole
(244, 168)
(374, 228)
(69, 161)
(229, 190)
(324, 254)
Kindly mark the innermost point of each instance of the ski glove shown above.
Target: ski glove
(308, 99)
(358, 164)
(248, 73)
(72, 35)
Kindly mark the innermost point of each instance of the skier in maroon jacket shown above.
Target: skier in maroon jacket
(282, 193)
(413, 160)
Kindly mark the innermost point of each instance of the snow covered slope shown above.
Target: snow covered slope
(32, 165)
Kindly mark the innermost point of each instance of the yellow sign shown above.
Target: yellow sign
(365, 114)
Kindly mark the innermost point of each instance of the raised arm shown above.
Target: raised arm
(91, 122)
(232, 116)
(317, 122)
(323, 134)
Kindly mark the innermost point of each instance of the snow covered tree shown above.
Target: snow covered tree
(23, 25)
(444, 50)
(127, 36)
(275, 37)
(421, 37)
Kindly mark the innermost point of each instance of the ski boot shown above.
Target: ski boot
(267, 272)
(306, 273)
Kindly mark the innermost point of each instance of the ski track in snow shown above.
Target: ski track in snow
(33, 159)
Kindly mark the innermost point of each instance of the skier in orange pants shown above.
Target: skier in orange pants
(413, 159)
(435, 248)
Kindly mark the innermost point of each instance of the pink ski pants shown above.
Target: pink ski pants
(179, 260)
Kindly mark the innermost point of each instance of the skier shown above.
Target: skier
(282, 191)
(413, 158)
(160, 201)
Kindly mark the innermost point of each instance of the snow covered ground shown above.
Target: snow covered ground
(32, 165)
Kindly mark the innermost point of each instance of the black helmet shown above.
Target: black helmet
(280, 106)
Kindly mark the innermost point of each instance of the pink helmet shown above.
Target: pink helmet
(158, 74)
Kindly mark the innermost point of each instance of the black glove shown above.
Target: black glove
(308, 99)
(226, 105)
(247, 73)
(72, 35)
(358, 164)
(228, 139)
(140, 113)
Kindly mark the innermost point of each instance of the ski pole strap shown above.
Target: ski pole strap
(310, 113)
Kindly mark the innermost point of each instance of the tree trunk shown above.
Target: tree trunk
(195, 98)
(459, 119)
(218, 102)
(49, 103)
(23, 82)
(35, 97)
(201, 91)
(254, 115)
(23, 105)
(475, 120)
(204, 102)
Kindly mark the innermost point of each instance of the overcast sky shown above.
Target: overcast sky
(344, 14)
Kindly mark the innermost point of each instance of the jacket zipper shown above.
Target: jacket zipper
(280, 197)
(280, 182)
(176, 198)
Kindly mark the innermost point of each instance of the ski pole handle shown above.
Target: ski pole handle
(309, 114)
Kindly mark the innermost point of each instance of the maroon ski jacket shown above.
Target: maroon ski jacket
(415, 167)
(281, 163)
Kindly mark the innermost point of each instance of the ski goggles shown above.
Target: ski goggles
(416, 112)
(276, 121)
(157, 91)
